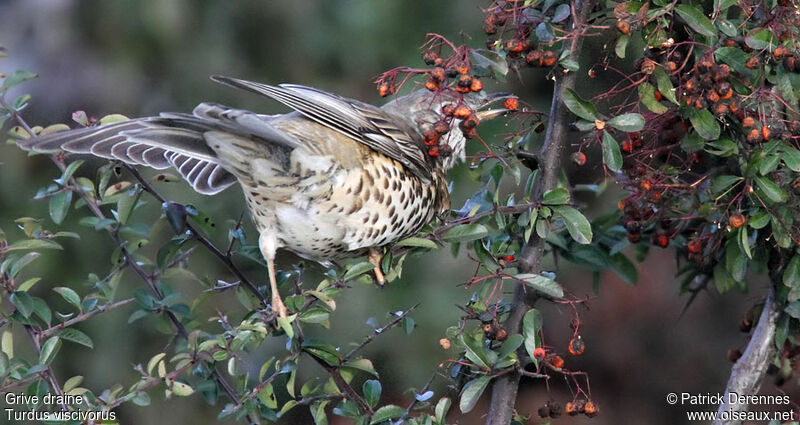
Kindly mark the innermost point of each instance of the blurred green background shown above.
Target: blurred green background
(142, 57)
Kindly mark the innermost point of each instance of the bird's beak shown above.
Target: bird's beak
(485, 114)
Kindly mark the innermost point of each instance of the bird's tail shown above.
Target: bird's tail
(169, 140)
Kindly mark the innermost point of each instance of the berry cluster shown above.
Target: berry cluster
(453, 73)
(581, 406)
(661, 165)
(509, 19)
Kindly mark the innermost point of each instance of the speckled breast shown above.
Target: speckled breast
(335, 212)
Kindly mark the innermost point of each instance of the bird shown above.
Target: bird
(334, 178)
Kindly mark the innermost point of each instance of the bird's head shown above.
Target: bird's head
(446, 119)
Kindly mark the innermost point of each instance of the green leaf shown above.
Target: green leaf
(694, 17)
(49, 350)
(627, 122)
(76, 336)
(21, 263)
(665, 85)
(315, 315)
(417, 242)
(16, 78)
(490, 61)
(542, 284)
(612, 156)
(510, 345)
(531, 325)
(33, 244)
(705, 124)
(372, 392)
(791, 275)
(181, 389)
(387, 412)
(736, 58)
(441, 409)
(578, 106)
(647, 95)
(791, 157)
(357, 270)
(557, 196)
(622, 45)
(577, 225)
(465, 232)
(472, 393)
(362, 365)
(722, 183)
(761, 39)
(624, 268)
(475, 351)
(69, 296)
(267, 397)
(771, 190)
(23, 302)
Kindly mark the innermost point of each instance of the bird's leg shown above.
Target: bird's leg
(375, 258)
(268, 247)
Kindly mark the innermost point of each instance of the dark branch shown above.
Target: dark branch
(504, 388)
(749, 370)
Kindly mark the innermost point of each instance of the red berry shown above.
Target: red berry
(511, 104)
(579, 158)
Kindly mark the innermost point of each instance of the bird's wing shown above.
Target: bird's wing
(362, 122)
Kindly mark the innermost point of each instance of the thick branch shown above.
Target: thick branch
(749, 370)
(504, 388)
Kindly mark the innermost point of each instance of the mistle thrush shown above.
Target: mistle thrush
(335, 178)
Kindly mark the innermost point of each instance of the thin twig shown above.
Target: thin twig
(82, 317)
(379, 331)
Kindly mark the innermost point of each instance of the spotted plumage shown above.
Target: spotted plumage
(335, 178)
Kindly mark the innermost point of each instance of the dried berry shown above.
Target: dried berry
(449, 109)
(441, 127)
(571, 408)
(634, 237)
(765, 132)
(624, 27)
(464, 80)
(534, 58)
(753, 62)
(462, 112)
(431, 85)
(431, 137)
(445, 343)
(695, 246)
(384, 89)
(590, 409)
(471, 122)
(576, 346)
(555, 361)
(579, 158)
(438, 74)
(430, 57)
(476, 85)
(748, 122)
(548, 58)
(754, 136)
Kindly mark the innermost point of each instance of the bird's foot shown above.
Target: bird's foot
(375, 258)
(279, 308)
